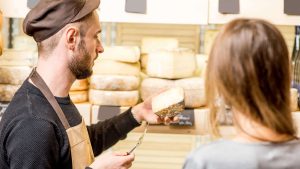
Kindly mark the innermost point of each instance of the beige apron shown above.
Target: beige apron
(81, 149)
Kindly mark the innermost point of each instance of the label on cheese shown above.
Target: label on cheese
(79, 96)
(114, 98)
(12, 57)
(111, 67)
(152, 44)
(7, 92)
(114, 82)
(129, 54)
(14, 74)
(171, 64)
(79, 84)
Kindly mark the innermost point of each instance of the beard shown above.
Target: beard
(80, 65)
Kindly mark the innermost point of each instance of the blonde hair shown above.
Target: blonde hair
(249, 68)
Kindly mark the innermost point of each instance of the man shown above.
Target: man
(41, 131)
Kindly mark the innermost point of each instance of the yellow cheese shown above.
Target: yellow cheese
(85, 111)
(129, 54)
(81, 84)
(171, 64)
(79, 96)
(111, 67)
(114, 98)
(24, 42)
(14, 74)
(201, 64)
(114, 82)
(18, 58)
(151, 86)
(7, 92)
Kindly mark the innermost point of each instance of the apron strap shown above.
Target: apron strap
(40, 84)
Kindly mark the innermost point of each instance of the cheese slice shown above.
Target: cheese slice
(114, 82)
(7, 92)
(81, 84)
(152, 44)
(85, 111)
(108, 111)
(14, 74)
(114, 98)
(111, 67)
(129, 54)
(171, 64)
(169, 103)
(12, 57)
(194, 89)
(24, 42)
(79, 96)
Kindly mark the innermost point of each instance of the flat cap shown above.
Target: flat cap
(50, 16)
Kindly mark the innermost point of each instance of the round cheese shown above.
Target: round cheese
(171, 64)
(81, 84)
(152, 44)
(111, 67)
(129, 54)
(114, 82)
(7, 92)
(201, 64)
(11, 57)
(114, 98)
(24, 42)
(14, 74)
(79, 96)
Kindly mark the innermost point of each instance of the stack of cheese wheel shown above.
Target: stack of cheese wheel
(152, 44)
(79, 91)
(174, 68)
(15, 66)
(1, 39)
(115, 80)
(201, 65)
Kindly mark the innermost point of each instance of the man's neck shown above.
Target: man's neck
(56, 75)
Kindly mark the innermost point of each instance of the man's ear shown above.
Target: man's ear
(72, 37)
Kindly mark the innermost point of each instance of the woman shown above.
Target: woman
(249, 70)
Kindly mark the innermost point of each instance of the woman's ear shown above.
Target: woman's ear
(72, 37)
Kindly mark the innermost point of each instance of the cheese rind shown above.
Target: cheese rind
(24, 42)
(114, 82)
(78, 96)
(152, 44)
(7, 92)
(80, 84)
(129, 54)
(169, 103)
(1, 44)
(111, 67)
(14, 74)
(171, 64)
(114, 98)
(12, 57)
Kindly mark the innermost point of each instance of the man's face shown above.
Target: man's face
(88, 49)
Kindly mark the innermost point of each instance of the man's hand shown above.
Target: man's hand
(113, 161)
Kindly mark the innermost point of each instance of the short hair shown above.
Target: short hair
(249, 68)
(49, 44)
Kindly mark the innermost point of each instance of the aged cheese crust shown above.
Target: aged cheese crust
(81, 84)
(114, 82)
(172, 110)
(14, 74)
(7, 92)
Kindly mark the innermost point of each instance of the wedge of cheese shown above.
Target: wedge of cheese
(171, 64)
(114, 98)
(14, 74)
(11, 57)
(169, 103)
(81, 84)
(129, 54)
(111, 67)
(114, 82)
(79, 96)
(7, 92)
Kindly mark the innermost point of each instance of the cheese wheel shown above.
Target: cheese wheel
(14, 74)
(1, 20)
(81, 84)
(18, 58)
(111, 67)
(7, 92)
(79, 96)
(169, 103)
(152, 86)
(24, 42)
(171, 64)
(294, 99)
(129, 54)
(85, 111)
(114, 98)
(114, 82)
(152, 44)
